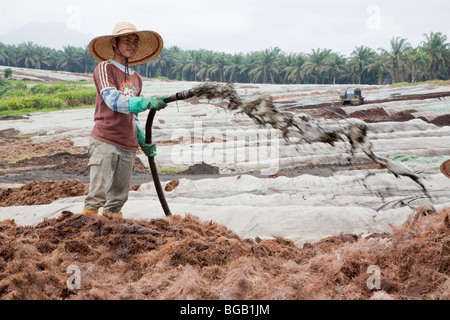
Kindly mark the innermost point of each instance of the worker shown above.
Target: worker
(117, 133)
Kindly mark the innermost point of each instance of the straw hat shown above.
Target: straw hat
(150, 44)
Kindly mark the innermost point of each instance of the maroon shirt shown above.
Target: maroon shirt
(112, 126)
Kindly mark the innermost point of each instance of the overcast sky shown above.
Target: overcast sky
(241, 26)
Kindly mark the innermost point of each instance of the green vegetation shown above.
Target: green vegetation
(7, 73)
(170, 170)
(400, 62)
(20, 97)
(419, 160)
(432, 82)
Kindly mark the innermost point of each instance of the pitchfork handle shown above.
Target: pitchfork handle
(152, 164)
(179, 96)
(148, 139)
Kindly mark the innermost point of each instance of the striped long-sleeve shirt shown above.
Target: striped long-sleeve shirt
(113, 121)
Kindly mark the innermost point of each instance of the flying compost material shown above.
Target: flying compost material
(263, 112)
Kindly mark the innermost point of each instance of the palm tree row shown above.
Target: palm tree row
(30, 55)
(400, 63)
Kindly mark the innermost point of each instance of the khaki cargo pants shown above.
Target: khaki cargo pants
(110, 176)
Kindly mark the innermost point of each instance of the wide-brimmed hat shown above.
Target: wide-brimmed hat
(150, 44)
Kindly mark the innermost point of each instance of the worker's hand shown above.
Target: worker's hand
(140, 104)
(148, 149)
(166, 97)
(156, 103)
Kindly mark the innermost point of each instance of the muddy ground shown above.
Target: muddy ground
(184, 258)
(23, 161)
(45, 167)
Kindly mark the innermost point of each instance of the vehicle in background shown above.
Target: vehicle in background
(351, 96)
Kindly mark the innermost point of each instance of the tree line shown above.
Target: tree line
(401, 62)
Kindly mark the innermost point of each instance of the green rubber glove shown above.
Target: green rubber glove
(140, 104)
(166, 97)
(148, 149)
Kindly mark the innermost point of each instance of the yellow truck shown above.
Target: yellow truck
(351, 96)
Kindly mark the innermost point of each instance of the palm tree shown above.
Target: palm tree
(315, 63)
(42, 58)
(395, 58)
(218, 68)
(158, 63)
(437, 51)
(207, 62)
(334, 64)
(294, 71)
(267, 66)
(4, 58)
(86, 60)
(360, 59)
(70, 59)
(177, 70)
(170, 57)
(250, 62)
(194, 64)
(53, 59)
(234, 67)
(28, 54)
(417, 60)
(379, 67)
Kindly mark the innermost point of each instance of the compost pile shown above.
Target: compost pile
(42, 192)
(185, 258)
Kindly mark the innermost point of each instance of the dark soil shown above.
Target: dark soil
(329, 110)
(201, 168)
(441, 121)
